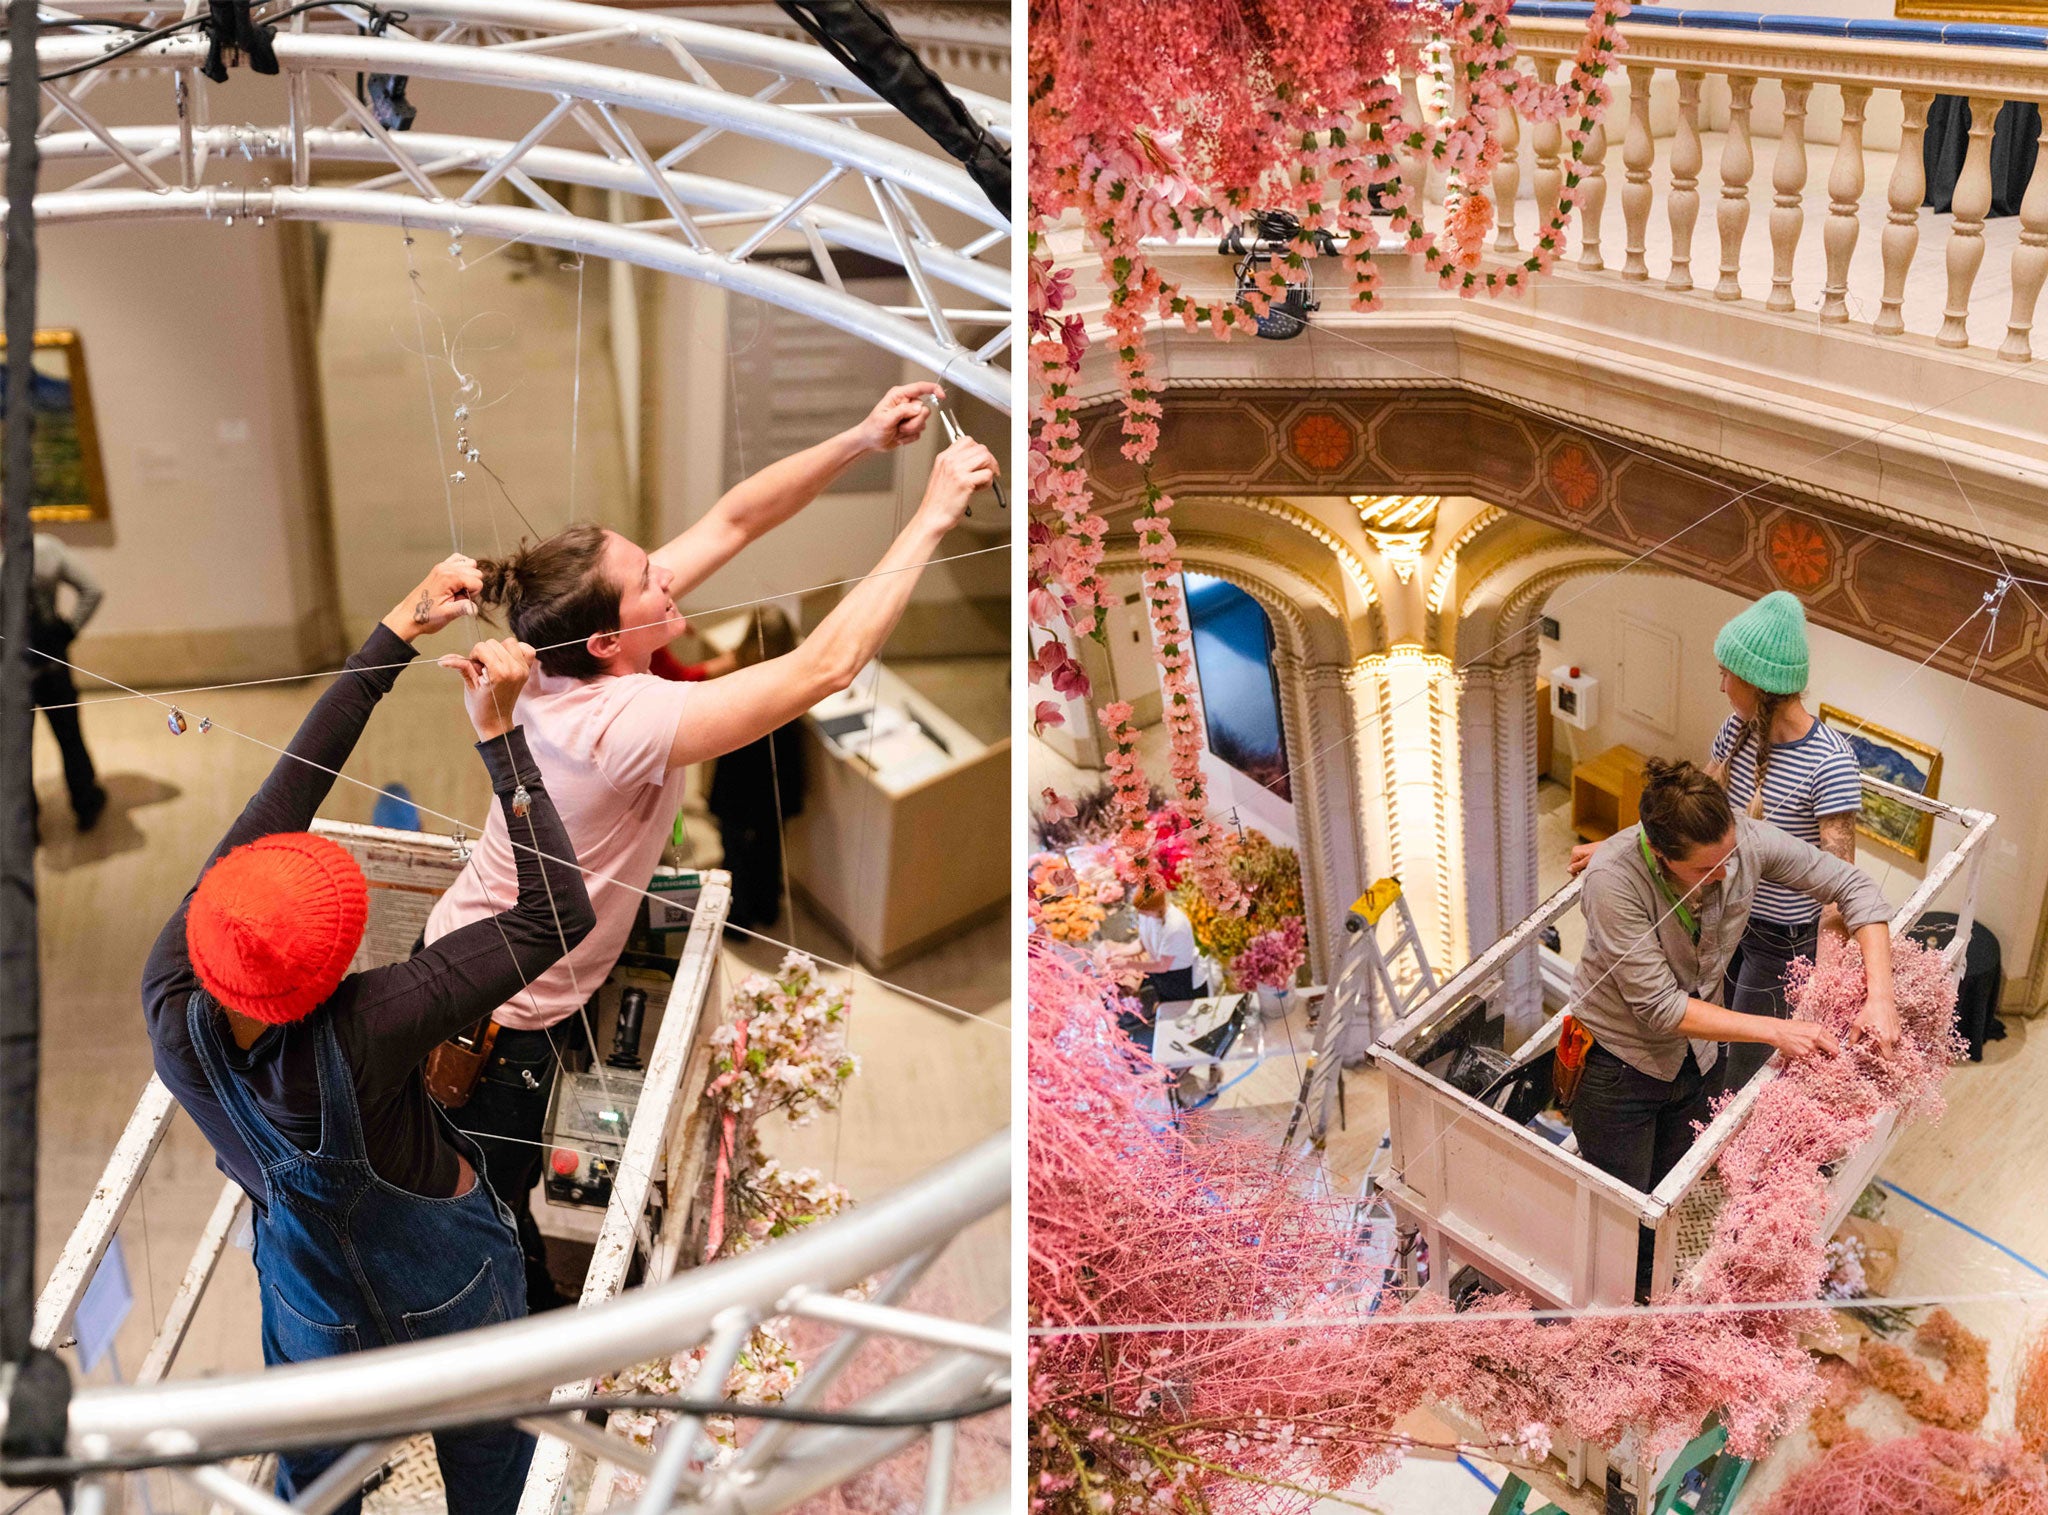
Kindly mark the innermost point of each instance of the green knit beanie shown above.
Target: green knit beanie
(1766, 645)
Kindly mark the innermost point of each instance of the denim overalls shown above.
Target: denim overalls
(346, 1261)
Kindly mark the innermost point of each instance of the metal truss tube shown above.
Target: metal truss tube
(437, 152)
(865, 152)
(821, 1458)
(572, 234)
(699, 39)
(702, 40)
(399, 1390)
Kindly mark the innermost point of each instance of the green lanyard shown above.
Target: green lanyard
(1685, 916)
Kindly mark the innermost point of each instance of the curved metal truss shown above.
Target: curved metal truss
(371, 1400)
(630, 130)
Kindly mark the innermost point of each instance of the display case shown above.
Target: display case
(904, 839)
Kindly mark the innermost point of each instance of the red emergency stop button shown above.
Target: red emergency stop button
(564, 1163)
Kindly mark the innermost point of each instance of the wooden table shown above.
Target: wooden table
(1606, 791)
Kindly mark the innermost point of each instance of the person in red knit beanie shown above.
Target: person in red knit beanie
(374, 1225)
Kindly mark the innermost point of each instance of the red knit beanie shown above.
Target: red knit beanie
(274, 924)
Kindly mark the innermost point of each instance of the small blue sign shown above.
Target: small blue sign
(105, 1305)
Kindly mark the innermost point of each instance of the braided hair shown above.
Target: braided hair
(1758, 728)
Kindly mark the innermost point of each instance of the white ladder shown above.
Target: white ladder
(1366, 980)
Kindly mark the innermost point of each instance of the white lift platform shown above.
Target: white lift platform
(1482, 1190)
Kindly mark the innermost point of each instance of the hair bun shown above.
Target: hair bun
(502, 578)
(1667, 770)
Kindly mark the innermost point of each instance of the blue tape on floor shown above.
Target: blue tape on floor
(1491, 1486)
(2026, 1263)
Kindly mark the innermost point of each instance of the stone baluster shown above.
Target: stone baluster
(1788, 179)
(1902, 226)
(2029, 259)
(1548, 140)
(1638, 152)
(1966, 234)
(1738, 162)
(1593, 197)
(1845, 194)
(1507, 180)
(1685, 179)
(1417, 162)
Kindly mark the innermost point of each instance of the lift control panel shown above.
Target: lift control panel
(589, 1120)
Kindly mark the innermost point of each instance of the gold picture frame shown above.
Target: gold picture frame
(1899, 759)
(71, 480)
(1995, 12)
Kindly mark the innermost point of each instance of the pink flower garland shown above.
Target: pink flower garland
(1132, 1221)
(1169, 118)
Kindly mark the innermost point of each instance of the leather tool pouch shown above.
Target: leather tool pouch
(454, 1067)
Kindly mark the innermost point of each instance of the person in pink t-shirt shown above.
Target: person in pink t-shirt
(614, 739)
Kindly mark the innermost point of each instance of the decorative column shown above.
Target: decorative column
(1686, 158)
(1845, 194)
(1408, 712)
(1328, 788)
(1507, 180)
(1497, 736)
(1638, 152)
(1593, 198)
(1738, 162)
(1788, 179)
(1907, 189)
(2029, 260)
(1966, 233)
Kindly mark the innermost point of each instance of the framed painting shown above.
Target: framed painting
(1882, 754)
(71, 483)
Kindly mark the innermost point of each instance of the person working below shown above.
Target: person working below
(1665, 903)
(616, 740)
(50, 634)
(1168, 937)
(372, 1227)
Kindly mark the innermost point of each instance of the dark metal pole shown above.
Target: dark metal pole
(20, 990)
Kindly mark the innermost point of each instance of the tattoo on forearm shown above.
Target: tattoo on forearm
(1838, 835)
(424, 610)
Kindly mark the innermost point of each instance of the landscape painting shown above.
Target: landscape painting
(1882, 754)
(71, 484)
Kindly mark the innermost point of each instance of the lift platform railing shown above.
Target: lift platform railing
(659, 1172)
(1481, 1189)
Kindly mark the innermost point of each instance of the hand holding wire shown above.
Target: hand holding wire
(445, 595)
(493, 675)
(900, 416)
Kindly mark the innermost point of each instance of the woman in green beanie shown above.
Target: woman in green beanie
(1779, 764)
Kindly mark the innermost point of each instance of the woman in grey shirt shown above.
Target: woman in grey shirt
(1665, 904)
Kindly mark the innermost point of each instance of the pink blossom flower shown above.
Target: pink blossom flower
(1056, 809)
(1047, 714)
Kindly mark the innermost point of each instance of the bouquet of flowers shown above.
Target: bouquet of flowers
(1271, 959)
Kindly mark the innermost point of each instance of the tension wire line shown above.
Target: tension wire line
(412, 275)
(591, 873)
(332, 673)
(575, 396)
(1578, 1312)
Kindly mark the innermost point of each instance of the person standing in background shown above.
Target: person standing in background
(51, 633)
(1779, 764)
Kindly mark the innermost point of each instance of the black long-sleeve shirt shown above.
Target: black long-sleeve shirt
(389, 1018)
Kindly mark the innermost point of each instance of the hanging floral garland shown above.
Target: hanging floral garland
(1176, 118)
(1134, 1224)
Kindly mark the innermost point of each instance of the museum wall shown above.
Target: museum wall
(199, 400)
(1604, 622)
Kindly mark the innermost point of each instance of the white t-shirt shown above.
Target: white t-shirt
(1169, 939)
(603, 747)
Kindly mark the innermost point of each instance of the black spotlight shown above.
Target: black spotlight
(1255, 243)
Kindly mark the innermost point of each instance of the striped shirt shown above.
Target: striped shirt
(1804, 780)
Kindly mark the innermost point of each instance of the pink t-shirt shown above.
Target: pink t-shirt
(603, 747)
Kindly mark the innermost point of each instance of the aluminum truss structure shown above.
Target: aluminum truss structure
(632, 130)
